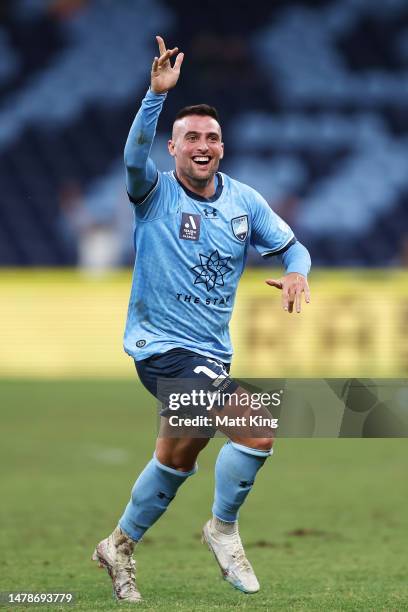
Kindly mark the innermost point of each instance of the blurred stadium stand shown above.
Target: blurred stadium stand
(313, 98)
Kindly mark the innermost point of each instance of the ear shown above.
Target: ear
(222, 150)
(171, 147)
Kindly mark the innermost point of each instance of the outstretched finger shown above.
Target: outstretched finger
(307, 294)
(298, 299)
(179, 61)
(170, 52)
(285, 299)
(273, 282)
(155, 64)
(291, 301)
(165, 57)
(162, 46)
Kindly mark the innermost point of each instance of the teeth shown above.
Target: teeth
(201, 159)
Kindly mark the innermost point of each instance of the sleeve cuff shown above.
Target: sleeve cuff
(154, 95)
(304, 271)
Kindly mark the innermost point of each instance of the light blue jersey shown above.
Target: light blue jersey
(191, 252)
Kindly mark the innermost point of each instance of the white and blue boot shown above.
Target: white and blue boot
(230, 556)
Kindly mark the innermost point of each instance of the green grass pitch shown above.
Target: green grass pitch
(325, 526)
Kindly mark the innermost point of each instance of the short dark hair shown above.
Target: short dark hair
(198, 109)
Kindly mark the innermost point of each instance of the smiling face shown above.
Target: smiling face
(197, 149)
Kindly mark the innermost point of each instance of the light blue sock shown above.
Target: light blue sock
(235, 472)
(152, 492)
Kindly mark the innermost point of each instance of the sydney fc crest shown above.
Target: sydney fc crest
(240, 227)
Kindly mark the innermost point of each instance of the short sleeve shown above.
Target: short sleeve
(161, 200)
(270, 235)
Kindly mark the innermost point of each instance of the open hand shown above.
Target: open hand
(164, 76)
(292, 286)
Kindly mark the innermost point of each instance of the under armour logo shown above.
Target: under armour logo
(210, 213)
(246, 483)
(162, 495)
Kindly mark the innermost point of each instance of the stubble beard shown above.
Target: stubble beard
(201, 182)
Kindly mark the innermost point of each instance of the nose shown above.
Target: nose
(202, 146)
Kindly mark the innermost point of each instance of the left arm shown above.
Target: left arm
(296, 261)
(271, 236)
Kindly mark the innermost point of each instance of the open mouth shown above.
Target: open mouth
(202, 160)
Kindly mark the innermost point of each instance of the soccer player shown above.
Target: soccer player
(193, 230)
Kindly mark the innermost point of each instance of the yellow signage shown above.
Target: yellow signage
(63, 324)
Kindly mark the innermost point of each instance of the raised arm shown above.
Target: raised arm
(141, 172)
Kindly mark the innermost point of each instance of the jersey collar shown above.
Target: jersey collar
(195, 196)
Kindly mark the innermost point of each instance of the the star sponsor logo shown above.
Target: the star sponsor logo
(212, 270)
(188, 298)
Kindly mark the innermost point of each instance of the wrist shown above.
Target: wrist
(298, 269)
(157, 93)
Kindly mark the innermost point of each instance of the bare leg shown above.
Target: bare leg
(178, 453)
(256, 437)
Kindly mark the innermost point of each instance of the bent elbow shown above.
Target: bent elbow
(132, 163)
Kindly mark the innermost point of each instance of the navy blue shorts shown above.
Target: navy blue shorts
(180, 371)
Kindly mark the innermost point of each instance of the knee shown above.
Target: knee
(175, 461)
(179, 454)
(261, 444)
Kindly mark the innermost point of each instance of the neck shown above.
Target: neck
(204, 188)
